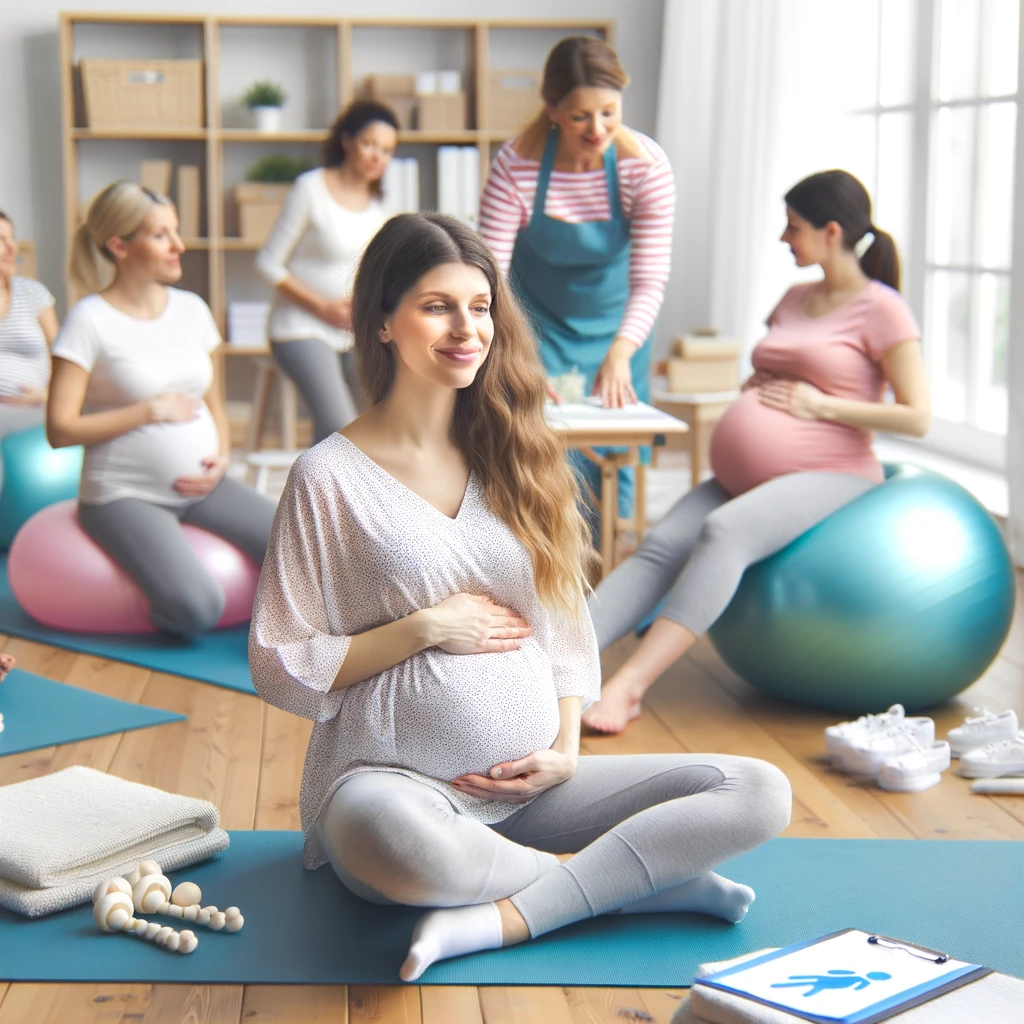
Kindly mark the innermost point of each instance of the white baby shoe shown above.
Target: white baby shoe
(839, 738)
(866, 756)
(981, 729)
(1003, 757)
(916, 770)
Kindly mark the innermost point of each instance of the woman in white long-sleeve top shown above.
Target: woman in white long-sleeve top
(311, 256)
(422, 601)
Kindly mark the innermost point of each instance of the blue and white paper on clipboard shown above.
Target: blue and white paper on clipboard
(850, 977)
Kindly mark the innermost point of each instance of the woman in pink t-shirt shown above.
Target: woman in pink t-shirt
(795, 446)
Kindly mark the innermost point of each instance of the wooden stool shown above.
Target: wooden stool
(259, 464)
(700, 412)
(266, 370)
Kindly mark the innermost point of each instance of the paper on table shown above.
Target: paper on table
(842, 978)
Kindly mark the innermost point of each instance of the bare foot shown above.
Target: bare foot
(620, 704)
(6, 664)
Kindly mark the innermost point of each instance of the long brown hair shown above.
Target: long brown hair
(577, 62)
(499, 423)
(839, 196)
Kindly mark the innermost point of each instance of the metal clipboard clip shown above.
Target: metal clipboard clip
(921, 952)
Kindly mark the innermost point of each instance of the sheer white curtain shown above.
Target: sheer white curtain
(1015, 369)
(753, 97)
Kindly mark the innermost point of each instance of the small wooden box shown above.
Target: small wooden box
(25, 260)
(513, 99)
(259, 206)
(702, 364)
(441, 112)
(142, 93)
(384, 87)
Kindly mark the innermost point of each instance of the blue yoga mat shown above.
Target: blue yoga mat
(220, 657)
(966, 898)
(41, 713)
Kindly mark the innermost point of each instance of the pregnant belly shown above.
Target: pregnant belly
(754, 443)
(150, 459)
(454, 714)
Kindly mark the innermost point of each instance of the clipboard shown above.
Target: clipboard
(847, 977)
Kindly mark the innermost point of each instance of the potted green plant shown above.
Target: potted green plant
(265, 100)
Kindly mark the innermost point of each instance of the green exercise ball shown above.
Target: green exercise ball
(903, 596)
(34, 476)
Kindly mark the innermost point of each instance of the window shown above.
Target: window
(935, 139)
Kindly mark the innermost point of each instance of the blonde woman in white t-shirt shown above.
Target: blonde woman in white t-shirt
(134, 383)
(311, 256)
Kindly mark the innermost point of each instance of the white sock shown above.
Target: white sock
(442, 934)
(706, 894)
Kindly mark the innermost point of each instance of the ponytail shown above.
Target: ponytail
(116, 212)
(838, 196)
(881, 261)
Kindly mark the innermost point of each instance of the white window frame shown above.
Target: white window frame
(960, 440)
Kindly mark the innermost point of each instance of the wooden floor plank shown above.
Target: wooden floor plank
(385, 1004)
(285, 738)
(604, 1005)
(75, 1004)
(296, 1004)
(214, 755)
(523, 1004)
(661, 1003)
(450, 1004)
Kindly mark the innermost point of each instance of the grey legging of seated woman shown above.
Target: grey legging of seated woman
(640, 826)
(695, 557)
(147, 541)
(326, 379)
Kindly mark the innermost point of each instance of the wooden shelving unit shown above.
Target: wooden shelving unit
(208, 39)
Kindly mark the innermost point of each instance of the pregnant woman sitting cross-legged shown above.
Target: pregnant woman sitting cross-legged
(422, 600)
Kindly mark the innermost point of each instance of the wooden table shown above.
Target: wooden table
(700, 412)
(587, 426)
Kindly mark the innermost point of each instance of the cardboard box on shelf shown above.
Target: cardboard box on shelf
(384, 87)
(703, 363)
(156, 176)
(142, 93)
(259, 205)
(513, 99)
(188, 201)
(443, 112)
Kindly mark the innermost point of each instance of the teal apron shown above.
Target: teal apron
(573, 282)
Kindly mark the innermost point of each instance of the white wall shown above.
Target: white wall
(30, 154)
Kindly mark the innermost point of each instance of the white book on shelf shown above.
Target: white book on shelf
(469, 185)
(393, 184)
(411, 183)
(448, 180)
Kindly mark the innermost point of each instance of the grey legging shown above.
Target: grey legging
(695, 557)
(326, 379)
(639, 826)
(147, 541)
(15, 418)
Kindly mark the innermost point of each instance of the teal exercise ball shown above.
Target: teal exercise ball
(35, 476)
(904, 596)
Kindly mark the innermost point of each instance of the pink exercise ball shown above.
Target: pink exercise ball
(64, 580)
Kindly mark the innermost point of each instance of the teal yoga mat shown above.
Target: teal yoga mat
(220, 657)
(966, 898)
(41, 713)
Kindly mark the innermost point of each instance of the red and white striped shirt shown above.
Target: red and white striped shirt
(648, 197)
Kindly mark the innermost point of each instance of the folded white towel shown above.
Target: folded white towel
(62, 834)
(994, 998)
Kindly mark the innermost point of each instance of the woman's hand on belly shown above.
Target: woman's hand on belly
(795, 397)
(199, 486)
(515, 782)
(470, 624)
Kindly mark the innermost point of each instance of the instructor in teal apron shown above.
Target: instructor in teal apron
(589, 274)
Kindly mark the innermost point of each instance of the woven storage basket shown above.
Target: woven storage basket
(142, 93)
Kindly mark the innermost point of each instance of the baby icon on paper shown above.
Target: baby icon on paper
(832, 980)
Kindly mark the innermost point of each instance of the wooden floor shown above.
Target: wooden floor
(247, 758)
